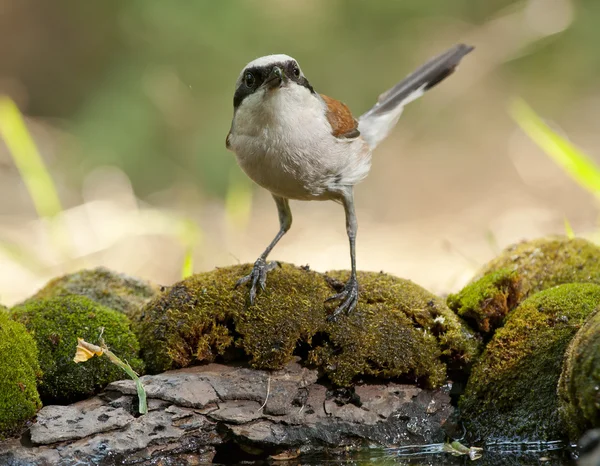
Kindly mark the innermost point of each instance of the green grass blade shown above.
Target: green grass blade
(141, 392)
(28, 160)
(187, 268)
(34, 174)
(568, 229)
(189, 236)
(572, 160)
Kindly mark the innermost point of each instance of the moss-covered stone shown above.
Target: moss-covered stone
(521, 270)
(198, 318)
(488, 300)
(398, 330)
(56, 324)
(579, 387)
(547, 262)
(512, 390)
(19, 371)
(114, 290)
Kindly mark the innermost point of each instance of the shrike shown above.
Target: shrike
(302, 145)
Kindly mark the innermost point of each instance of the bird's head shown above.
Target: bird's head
(265, 77)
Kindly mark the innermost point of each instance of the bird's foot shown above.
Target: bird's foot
(258, 276)
(349, 297)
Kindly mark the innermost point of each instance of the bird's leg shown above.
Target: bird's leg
(349, 294)
(258, 276)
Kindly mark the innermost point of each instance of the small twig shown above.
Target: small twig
(268, 393)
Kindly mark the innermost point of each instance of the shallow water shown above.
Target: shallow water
(547, 454)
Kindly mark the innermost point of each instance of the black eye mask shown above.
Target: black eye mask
(259, 74)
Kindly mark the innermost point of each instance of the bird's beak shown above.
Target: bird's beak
(276, 78)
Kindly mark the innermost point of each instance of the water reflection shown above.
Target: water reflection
(501, 453)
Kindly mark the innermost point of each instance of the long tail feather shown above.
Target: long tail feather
(376, 123)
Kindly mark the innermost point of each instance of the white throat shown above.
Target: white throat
(272, 111)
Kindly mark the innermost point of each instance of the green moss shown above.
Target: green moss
(114, 290)
(512, 390)
(399, 329)
(197, 319)
(488, 300)
(578, 388)
(19, 371)
(547, 262)
(522, 270)
(56, 324)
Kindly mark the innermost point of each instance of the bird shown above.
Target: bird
(302, 145)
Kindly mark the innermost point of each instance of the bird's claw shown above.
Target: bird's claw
(258, 276)
(349, 297)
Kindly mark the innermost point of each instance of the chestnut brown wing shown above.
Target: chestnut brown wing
(343, 124)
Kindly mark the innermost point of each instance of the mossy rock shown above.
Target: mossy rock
(522, 270)
(512, 390)
(198, 318)
(488, 300)
(19, 372)
(114, 290)
(401, 329)
(56, 324)
(579, 391)
(398, 330)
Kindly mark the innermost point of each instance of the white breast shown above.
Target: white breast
(283, 141)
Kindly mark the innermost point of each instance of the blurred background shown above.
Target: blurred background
(129, 104)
